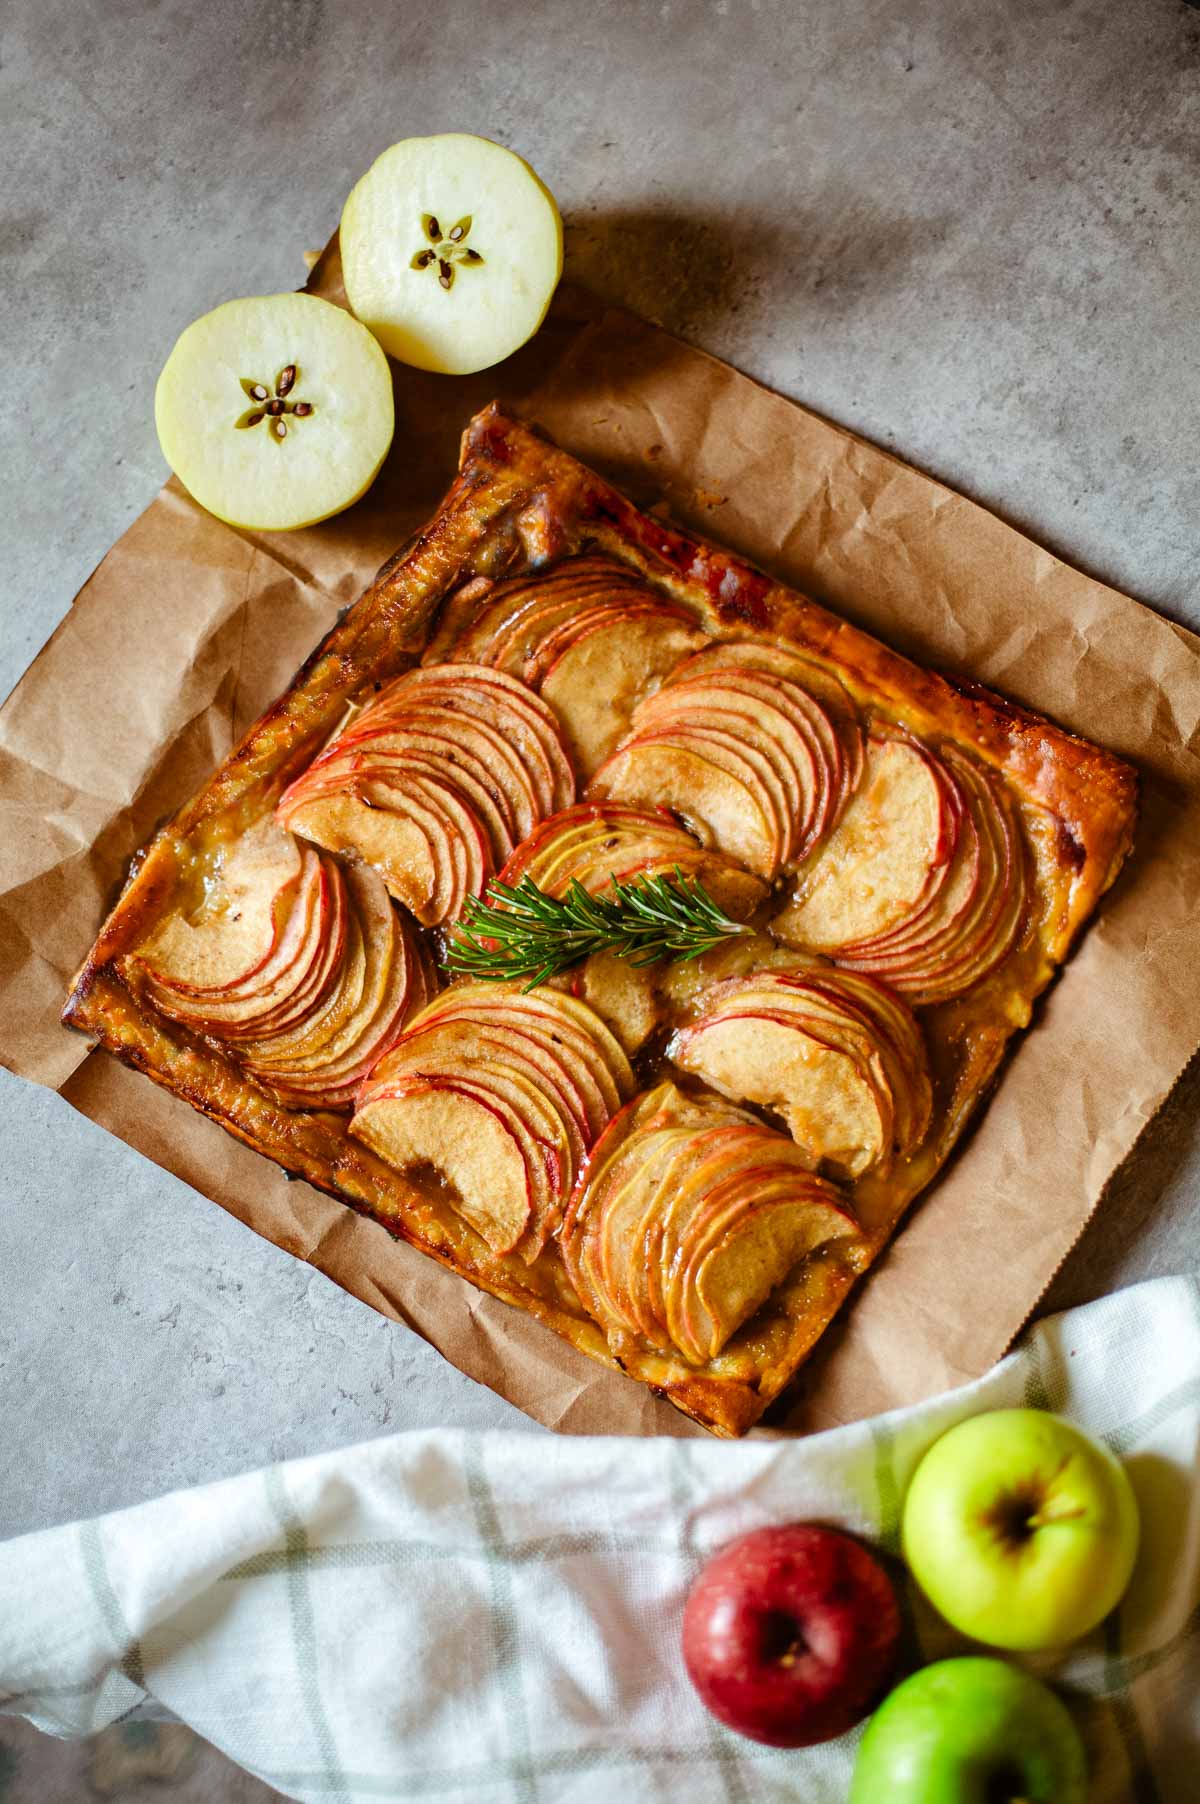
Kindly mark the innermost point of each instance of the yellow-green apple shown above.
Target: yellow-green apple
(790, 1634)
(970, 1731)
(1022, 1530)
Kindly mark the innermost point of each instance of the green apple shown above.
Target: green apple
(970, 1732)
(1020, 1529)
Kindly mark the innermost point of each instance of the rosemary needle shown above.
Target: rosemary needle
(522, 933)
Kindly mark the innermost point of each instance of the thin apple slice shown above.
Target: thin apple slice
(595, 677)
(624, 996)
(889, 854)
(588, 635)
(525, 721)
(451, 249)
(595, 842)
(314, 974)
(544, 1061)
(335, 1079)
(788, 681)
(245, 901)
(928, 909)
(468, 1136)
(689, 1216)
(376, 793)
(299, 1045)
(828, 1102)
(584, 1037)
(271, 985)
(787, 1221)
(719, 808)
(776, 736)
(664, 1106)
(550, 1155)
(791, 759)
(482, 622)
(375, 945)
(466, 747)
(275, 411)
(396, 833)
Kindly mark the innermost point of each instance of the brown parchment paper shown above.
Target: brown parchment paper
(189, 628)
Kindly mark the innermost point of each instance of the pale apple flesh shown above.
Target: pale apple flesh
(835, 1055)
(451, 250)
(758, 765)
(925, 883)
(503, 1094)
(434, 783)
(690, 1214)
(1021, 1529)
(587, 635)
(328, 970)
(970, 1729)
(276, 411)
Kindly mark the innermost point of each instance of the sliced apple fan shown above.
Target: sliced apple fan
(755, 747)
(833, 1053)
(502, 1093)
(597, 842)
(691, 1213)
(925, 882)
(435, 784)
(303, 969)
(589, 636)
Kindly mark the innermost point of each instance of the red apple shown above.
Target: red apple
(789, 1635)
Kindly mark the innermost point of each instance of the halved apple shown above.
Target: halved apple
(451, 250)
(589, 635)
(690, 1215)
(275, 411)
(433, 783)
(503, 1093)
(925, 882)
(841, 1062)
(751, 760)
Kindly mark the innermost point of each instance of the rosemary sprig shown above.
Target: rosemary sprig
(521, 932)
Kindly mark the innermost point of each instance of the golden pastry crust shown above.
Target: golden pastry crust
(517, 503)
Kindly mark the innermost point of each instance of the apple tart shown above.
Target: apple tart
(680, 1159)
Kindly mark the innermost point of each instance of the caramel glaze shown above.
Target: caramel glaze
(518, 503)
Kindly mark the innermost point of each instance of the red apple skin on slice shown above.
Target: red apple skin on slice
(543, 1060)
(481, 622)
(928, 912)
(786, 762)
(588, 635)
(889, 853)
(325, 1068)
(718, 807)
(689, 1216)
(815, 1086)
(596, 681)
(836, 1055)
(248, 895)
(479, 1150)
(593, 842)
(375, 794)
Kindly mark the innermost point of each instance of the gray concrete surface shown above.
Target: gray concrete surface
(970, 230)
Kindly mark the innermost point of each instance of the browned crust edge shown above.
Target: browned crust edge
(519, 500)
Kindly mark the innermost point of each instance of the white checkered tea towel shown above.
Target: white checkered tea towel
(494, 1618)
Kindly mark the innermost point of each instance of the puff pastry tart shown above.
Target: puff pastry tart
(680, 1167)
